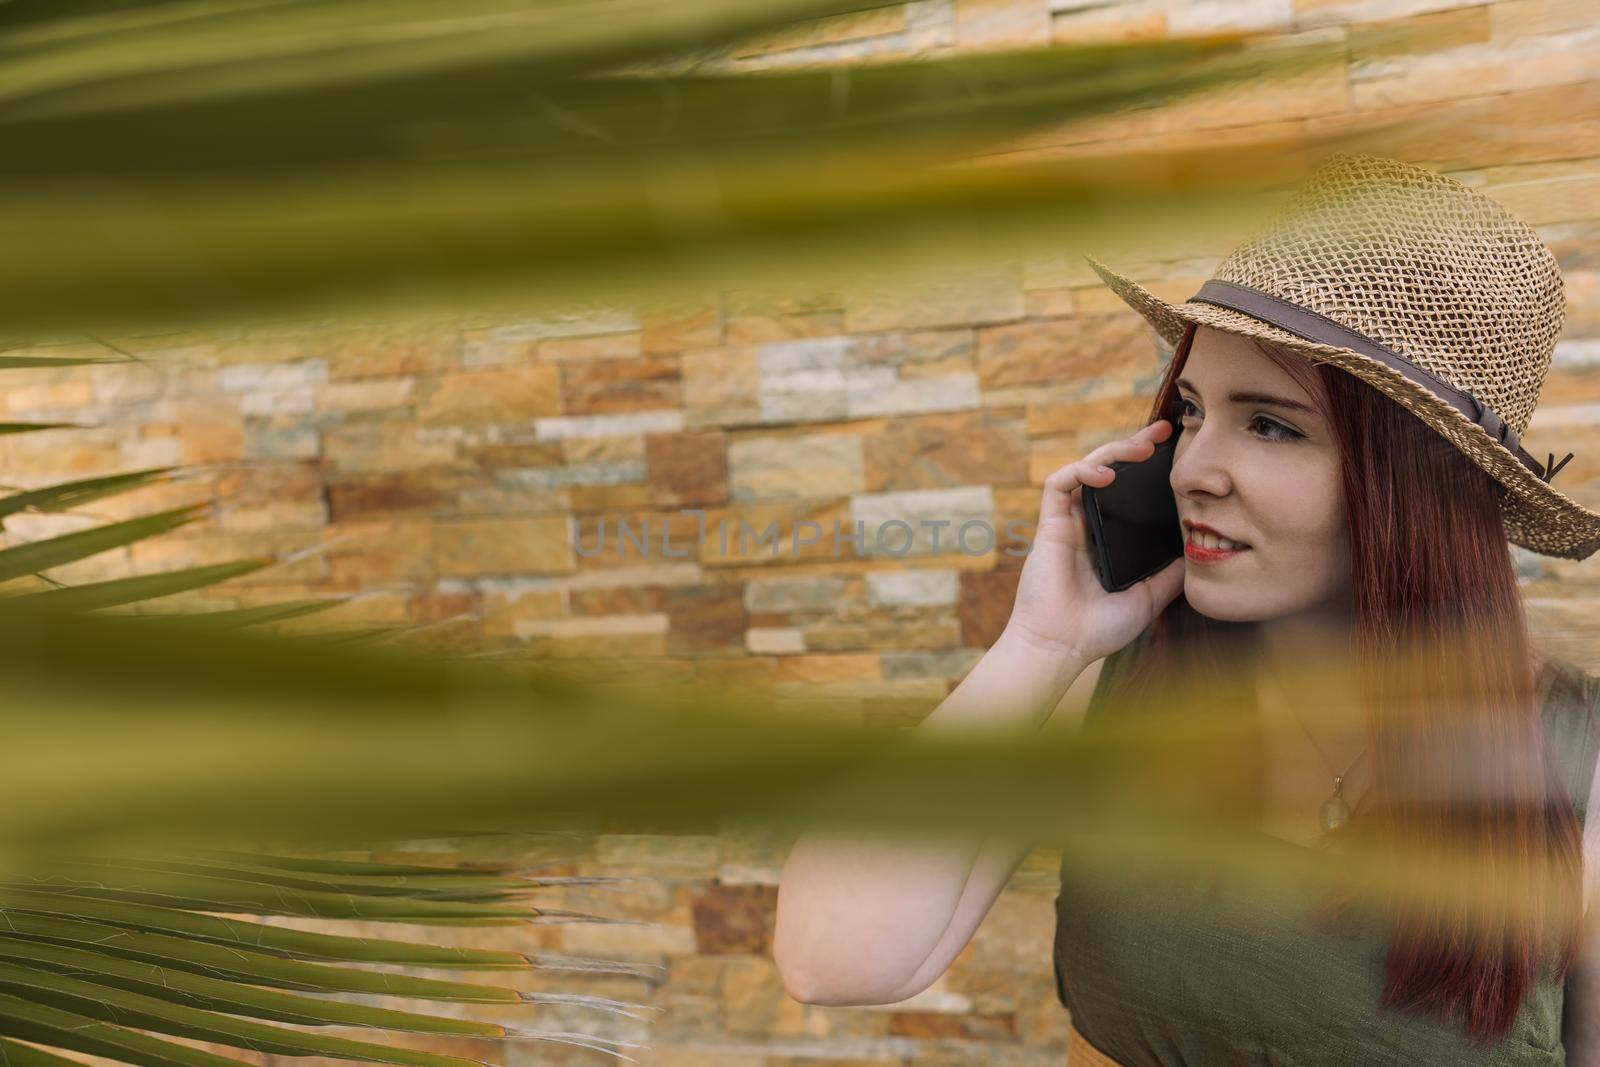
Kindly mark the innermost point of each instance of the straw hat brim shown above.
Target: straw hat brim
(1537, 516)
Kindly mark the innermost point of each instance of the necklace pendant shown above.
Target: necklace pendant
(1335, 813)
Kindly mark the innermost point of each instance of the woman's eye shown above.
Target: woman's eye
(1275, 431)
(1272, 431)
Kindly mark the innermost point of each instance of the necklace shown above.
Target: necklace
(1335, 810)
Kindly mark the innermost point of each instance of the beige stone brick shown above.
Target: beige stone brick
(379, 552)
(959, 448)
(369, 493)
(814, 669)
(616, 385)
(761, 534)
(1109, 23)
(1470, 132)
(537, 544)
(754, 1002)
(775, 640)
(1001, 22)
(1058, 350)
(722, 386)
(592, 499)
(41, 396)
(374, 394)
(635, 538)
(986, 601)
(505, 607)
(1104, 413)
(625, 345)
(873, 22)
(794, 466)
(400, 349)
(759, 329)
(1510, 19)
(386, 446)
(487, 347)
(509, 395)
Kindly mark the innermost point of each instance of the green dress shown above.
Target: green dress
(1153, 984)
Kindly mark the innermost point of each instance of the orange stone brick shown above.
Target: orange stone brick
(481, 396)
(535, 544)
(612, 385)
(687, 469)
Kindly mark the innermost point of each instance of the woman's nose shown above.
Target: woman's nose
(1200, 465)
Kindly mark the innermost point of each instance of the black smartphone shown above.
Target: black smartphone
(1133, 522)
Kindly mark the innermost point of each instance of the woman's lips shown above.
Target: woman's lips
(1201, 554)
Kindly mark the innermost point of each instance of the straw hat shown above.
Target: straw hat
(1422, 287)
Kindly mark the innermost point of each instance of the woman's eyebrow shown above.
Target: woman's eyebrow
(1256, 398)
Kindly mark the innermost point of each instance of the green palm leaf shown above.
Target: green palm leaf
(32, 1021)
(243, 964)
(117, 591)
(259, 937)
(20, 560)
(294, 157)
(194, 161)
(237, 617)
(32, 427)
(82, 491)
(15, 1052)
(18, 362)
(109, 1003)
(218, 995)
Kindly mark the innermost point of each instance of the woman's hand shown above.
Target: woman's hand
(1060, 602)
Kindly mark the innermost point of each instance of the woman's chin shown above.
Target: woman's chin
(1223, 605)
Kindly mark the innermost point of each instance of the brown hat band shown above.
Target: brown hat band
(1306, 323)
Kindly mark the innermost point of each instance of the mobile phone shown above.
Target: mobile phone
(1133, 522)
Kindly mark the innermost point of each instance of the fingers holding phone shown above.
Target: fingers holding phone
(1063, 487)
(1062, 595)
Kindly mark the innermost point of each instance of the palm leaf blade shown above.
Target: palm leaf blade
(19, 560)
(82, 491)
(111, 1004)
(117, 591)
(290, 943)
(236, 962)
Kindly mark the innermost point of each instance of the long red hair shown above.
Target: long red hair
(1431, 571)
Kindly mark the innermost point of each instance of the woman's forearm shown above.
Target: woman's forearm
(858, 915)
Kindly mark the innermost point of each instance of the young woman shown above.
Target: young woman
(1349, 389)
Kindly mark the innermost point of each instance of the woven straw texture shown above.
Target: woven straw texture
(1438, 273)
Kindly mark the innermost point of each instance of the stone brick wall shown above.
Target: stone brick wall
(459, 475)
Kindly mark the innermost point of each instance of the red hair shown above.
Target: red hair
(1431, 570)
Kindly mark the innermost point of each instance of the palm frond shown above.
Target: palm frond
(66, 495)
(115, 592)
(256, 615)
(291, 158)
(80, 962)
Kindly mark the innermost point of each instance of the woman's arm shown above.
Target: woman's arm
(998, 859)
(858, 917)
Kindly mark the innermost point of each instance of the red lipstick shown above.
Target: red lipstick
(1199, 553)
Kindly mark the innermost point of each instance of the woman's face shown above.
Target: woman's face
(1263, 472)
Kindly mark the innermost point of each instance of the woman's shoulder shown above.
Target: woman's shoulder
(1563, 685)
(1569, 705)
